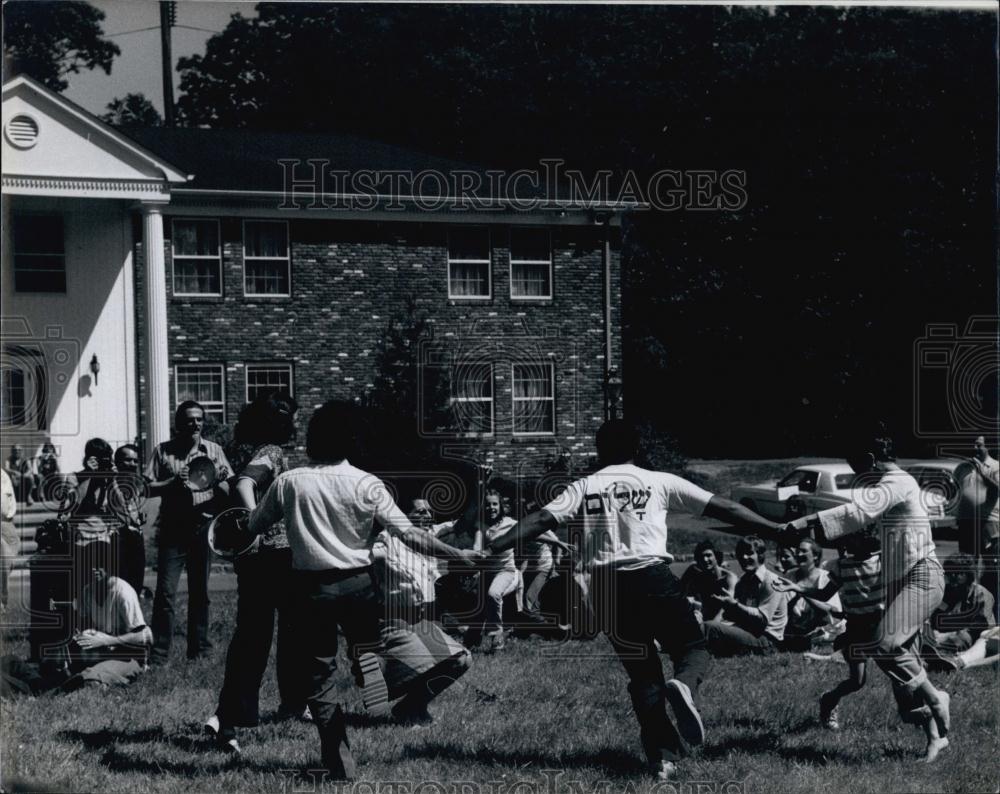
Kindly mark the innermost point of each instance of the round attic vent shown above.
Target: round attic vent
(21, 131)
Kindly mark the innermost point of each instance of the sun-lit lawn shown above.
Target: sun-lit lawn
(555, 716)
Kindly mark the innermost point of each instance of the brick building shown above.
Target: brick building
(250, 267)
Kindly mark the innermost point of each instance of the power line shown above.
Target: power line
(157, 27)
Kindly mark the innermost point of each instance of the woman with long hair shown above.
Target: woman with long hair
(264, 581)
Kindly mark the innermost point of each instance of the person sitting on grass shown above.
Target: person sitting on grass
(857, 577)
(707, 576)
(806, 621)
(785, 561)
(755, 616)
(964, 614)
(111, 647)
(984, 652)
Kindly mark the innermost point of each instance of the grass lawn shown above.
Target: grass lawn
(553, 717)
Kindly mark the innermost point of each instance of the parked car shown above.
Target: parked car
(805, 489)
(940, 488)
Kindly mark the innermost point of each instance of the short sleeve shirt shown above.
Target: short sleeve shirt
(623, 511)
(265, 464)
(167, 461)
(119, 614)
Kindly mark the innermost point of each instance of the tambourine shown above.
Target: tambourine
(229, 534)
(202, 474)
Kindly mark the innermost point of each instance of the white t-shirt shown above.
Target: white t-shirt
(623, 509)
(332, 515)
(504, 561)
(119, 614)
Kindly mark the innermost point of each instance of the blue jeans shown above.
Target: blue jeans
(176, 554)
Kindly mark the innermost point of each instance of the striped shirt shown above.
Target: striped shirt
(862, 590)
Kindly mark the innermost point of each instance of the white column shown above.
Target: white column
(157, 360)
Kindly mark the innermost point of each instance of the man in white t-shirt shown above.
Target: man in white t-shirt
(110, 645)
(333, 513)
(623, 511)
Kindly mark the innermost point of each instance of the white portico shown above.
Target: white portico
(71, 189)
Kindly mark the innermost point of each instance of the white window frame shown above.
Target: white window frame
(287, 259)
(491, 400)
(536, 262)
(265, 366)
(206, 405)
(16, 254)
(173, 258)
(488, 262)
(514, 399)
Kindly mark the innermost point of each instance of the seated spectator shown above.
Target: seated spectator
(111, 644)
(965, 613)
(984, 652)
(21, 475)
(10, 540)
(805, 621)
(47, 468)
(707, 576)
(785, 560)
(754, 618)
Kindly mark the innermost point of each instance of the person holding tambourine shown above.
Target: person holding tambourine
(264, 579)
(189, 474)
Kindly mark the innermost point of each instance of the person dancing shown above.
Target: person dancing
(264, 582)
(639, 600)
(887, 496)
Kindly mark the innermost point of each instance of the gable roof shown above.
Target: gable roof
(35, 91)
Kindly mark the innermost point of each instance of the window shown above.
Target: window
(23, 389)
(530, 263)
(472, 398)
(203, 383)
(266, 263)
(469, 263)
(805, 480)
(39, 254)
(534, 398)
(268, 378)
(197, 257)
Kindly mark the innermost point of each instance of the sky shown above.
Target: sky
(137, 69)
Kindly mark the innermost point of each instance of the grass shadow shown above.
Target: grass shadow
(99, 740)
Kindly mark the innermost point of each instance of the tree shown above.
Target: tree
(48, 40)
(132, 110)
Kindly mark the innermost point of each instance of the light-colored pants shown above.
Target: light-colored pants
(536, 575)
(501, 585)
(910, 602)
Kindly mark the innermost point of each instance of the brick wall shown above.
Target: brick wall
(350, 280)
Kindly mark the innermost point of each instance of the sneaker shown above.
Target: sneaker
(689, 722)
(663, 770)
(212, 726)
(374, 691)
(829, 712)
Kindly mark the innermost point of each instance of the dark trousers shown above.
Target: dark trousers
(175, 555)
(634, 608)
(264, 587)
(327, 600)
(132, 557)
(726, 640)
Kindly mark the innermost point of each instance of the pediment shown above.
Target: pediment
(48, 137)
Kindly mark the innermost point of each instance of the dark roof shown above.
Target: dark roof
(248, 159)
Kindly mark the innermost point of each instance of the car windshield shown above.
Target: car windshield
(805, 480)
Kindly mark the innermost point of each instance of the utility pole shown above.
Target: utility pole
(168, 18)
